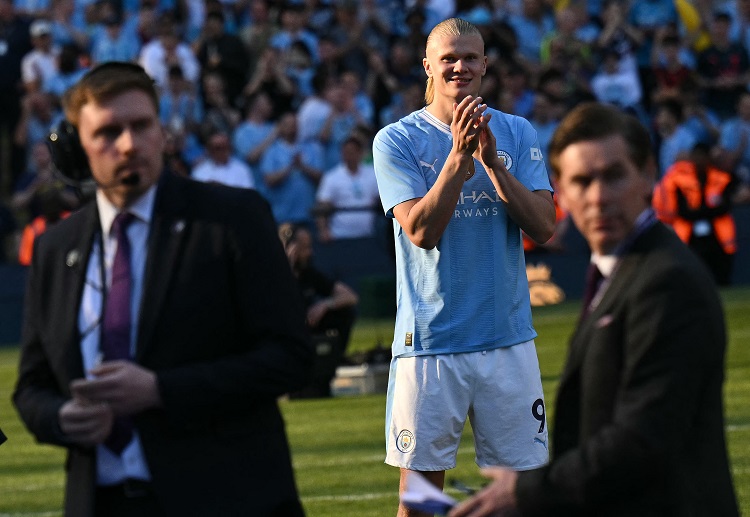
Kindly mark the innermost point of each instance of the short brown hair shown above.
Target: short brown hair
(104, 82)
(595, 121)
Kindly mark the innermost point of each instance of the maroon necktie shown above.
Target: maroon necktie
(594, 279)
(116, 323)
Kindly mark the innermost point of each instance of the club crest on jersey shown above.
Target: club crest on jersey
(506, 159)
(405, 441)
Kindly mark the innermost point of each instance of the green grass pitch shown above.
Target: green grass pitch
(337, 444)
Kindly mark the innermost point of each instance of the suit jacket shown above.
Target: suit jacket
(221, 324)
(639, 426)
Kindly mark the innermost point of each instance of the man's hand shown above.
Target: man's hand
(497, 499)
(85, 423)
(468, 123)
(124, 386)
(316, 312)
(487, 149)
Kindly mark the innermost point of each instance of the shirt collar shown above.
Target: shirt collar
(607, 263)
(142, 209)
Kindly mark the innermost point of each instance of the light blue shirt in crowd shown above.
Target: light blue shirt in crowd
(293, 199)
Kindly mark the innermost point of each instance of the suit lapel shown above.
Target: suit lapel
(166, 237)
(75, 263)
(622, 277)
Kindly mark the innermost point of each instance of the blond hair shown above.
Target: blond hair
(449, 27)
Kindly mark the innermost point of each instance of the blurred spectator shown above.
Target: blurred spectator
(291, 171)
(675, 141)
(734, 140)
(695, 198)
(352, 83)
(614, 85)
(175, 155)
(300, 70)
(53, 207)
(15, 43)
(349, 33)
(292, 28)
(532, 26)
(388, 75)
(420, 18)
(515, 81)
(223, 54)
(270, 77)
(319, 15)
(219, 113)
(619, 34)
(347, 198)
(255, 134)
(257, 33)
(221, 166)
(167, 50)
(68, 71)
(723, 69)
(671, 75)
(39, 65)
(375, 18)
(330, 305)
(63, 29)
(740, 31)
(564, 50)
(649, 16)
(38, 116)
(545, 116)
(114, 43)
(36, 183)
(329, 59)
(698, 119)
(32, 8)
(314, 110)
(147, 23)
(180, 106)
(410, 99)
(342, 119)
(442, 8)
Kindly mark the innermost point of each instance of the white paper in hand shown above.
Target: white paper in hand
(423, 496)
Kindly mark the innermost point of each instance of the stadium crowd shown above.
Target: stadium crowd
(272, 95)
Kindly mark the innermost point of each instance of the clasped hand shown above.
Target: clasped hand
(471, 133)
(118, 388)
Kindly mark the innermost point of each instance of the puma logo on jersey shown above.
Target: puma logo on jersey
(430, 166)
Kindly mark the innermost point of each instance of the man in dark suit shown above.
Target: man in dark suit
(185, 422)
(639, 426)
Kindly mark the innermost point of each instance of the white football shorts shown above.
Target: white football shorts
(500, 390)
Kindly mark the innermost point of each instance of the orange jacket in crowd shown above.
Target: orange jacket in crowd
(35, 228)
(681, 179)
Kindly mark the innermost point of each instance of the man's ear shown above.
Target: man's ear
(560, 196)
(427, 68)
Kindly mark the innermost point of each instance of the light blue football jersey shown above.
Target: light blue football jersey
(470, 292)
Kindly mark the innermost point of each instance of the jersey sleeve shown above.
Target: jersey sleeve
(397, 170)
(531, 170)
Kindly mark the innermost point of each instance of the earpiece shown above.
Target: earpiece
(67, 154)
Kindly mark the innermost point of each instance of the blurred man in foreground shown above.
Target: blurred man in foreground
(639, 426)
(162, 322)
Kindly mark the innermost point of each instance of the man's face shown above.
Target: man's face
(602, 189)
(456, 64)
(219, 148)
(124, 142)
